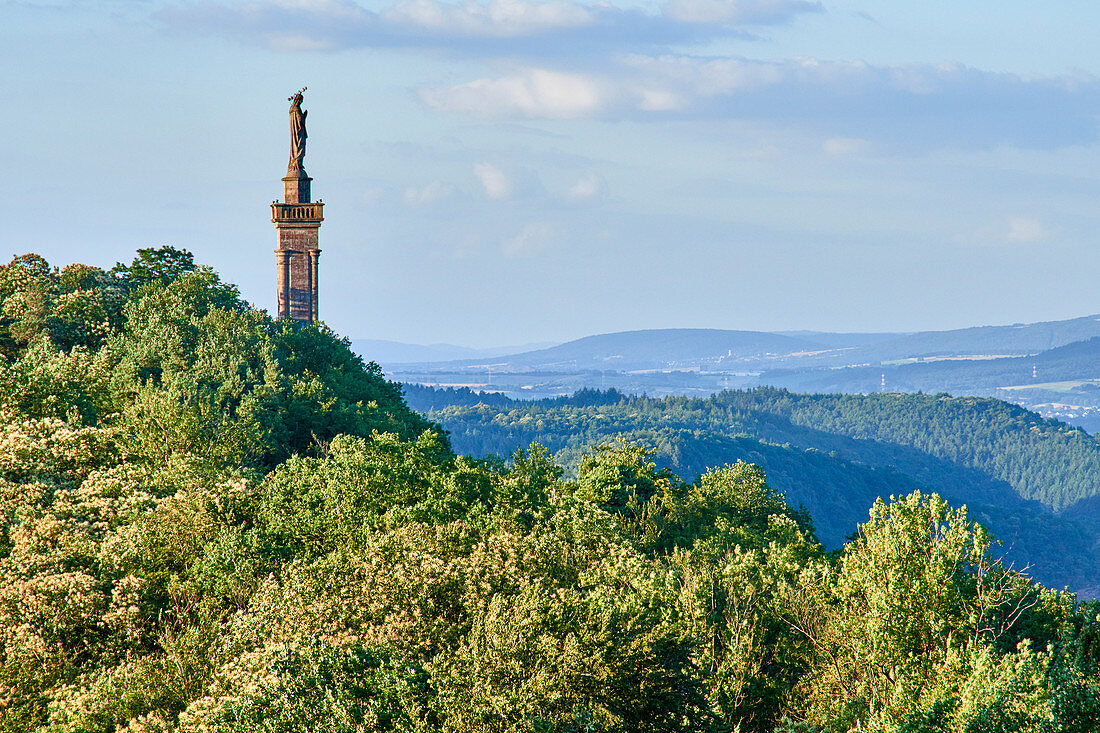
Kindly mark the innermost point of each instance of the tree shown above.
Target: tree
(915, 598)
(160, 265)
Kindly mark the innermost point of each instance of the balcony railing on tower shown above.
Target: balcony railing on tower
(297, 212)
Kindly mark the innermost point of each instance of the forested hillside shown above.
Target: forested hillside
(215, 522)
(1030, 478)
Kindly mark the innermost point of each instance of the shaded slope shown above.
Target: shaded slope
(835, 454)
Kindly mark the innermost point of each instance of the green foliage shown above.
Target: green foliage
(72, 307)
(973, 442)
(328, 689)
(154, 267)
(139, 406)
(218, 523)
(835, 455)
(914, 590)
(313, 506)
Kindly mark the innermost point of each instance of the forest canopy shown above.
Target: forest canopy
(216, 521)
(1034, 482)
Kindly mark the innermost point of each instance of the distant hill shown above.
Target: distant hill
(843, 340)
(1035, 483)
(1051, 367)
(395, 352)
(1078, 360)
(1016, 339)
(658, 349)
(738, 351)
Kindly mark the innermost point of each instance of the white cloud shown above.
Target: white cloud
(847, 147)
(659, 100)
(889, 107)
(1024, 230)
(1011, 230)
(896, 107)
(312, 25)
(709, 77)
(588, 186)
(493, 180)
(532, 239)
(737, 11)
(283, 25)
(372, 195)
(639, 83)
(298, 43)
(530, 93)
(429, 194)
(496, 18)
(341, 10)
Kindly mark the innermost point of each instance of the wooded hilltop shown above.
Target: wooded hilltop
(1034, 482)
(215, 521)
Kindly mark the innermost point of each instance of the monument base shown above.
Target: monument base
(296, 187)
(296, 257)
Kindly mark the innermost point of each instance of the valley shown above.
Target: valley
(1052, 367)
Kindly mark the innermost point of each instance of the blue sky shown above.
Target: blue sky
(518, 170)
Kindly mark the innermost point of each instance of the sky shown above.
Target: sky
(513, 171)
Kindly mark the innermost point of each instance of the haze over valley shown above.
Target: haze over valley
(1051, 367)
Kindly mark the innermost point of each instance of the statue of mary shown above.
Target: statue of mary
(297, 132)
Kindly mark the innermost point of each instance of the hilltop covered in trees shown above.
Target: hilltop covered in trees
(1033, 481)
(217, 522)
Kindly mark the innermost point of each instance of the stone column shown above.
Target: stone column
(314, 256)
(282, 263)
